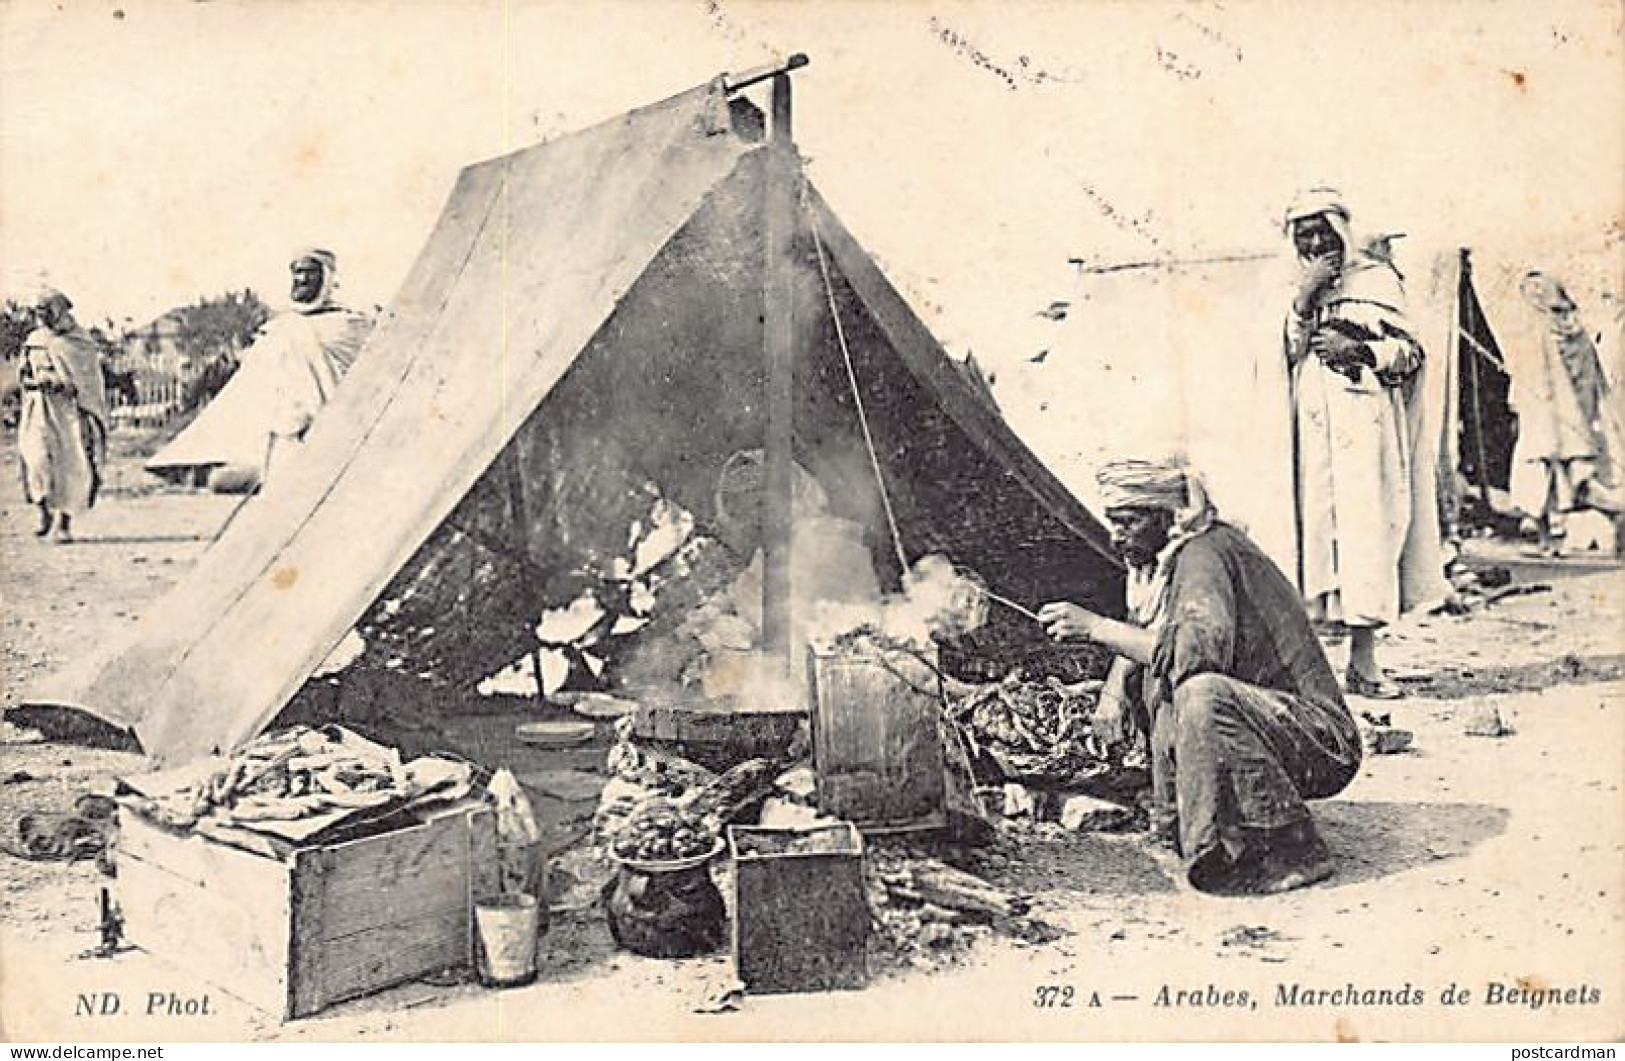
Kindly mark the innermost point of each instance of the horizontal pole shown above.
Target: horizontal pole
(735, 82)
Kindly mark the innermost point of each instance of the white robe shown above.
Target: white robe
(285, 378)
(1564, 459)
(1365, 486)
(62, 427)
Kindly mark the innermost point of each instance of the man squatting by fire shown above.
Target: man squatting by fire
(1243, 711)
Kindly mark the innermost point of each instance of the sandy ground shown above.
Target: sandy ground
(1468, 862)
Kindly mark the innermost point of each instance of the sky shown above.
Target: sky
(153, 152)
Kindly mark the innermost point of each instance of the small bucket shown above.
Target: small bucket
(507, 927)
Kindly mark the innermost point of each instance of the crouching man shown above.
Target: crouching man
(1245, 717)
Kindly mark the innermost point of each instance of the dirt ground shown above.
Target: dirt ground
(1494, 866)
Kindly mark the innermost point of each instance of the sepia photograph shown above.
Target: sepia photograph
(812, 521)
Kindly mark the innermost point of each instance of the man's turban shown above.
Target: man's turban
(1313, 203)
(1144, 484)
(325, 258)
(49, 296)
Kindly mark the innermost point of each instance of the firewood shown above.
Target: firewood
(942, 885)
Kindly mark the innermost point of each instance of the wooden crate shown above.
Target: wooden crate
(331, 923)
(800, 912)
(876, 746)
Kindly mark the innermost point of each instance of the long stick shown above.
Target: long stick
(1008, 603)
(737, 82)
(265, 467)
(1080, 264)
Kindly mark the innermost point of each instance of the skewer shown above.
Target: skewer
(1008, 603)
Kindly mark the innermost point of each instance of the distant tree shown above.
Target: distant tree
(210, 333)
(215, 328)
(16, 321)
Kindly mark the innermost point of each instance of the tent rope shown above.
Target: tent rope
(1489, 355)
(857, 396)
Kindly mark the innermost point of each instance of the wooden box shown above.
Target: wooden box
(801, 914)
(330, 923)
(876, 746)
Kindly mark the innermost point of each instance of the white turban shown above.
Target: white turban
(329, 263)
(1143, 484)
(1169, 485)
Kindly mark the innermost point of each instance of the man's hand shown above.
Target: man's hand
(1318, 274)
(1065, 621)
(1340, 353)
(1110, 722)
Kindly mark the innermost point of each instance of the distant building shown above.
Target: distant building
(158, 367)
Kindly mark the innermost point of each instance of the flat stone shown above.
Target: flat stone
(571, 786)
(799, 783)
(1485, 721)
(1085, 814)
(1387, 740)
(1019, 802)
(778, 813)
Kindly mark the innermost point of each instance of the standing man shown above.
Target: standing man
(297, 364)
(1245, 717)
(1569, 435)
(62, 428)
(1367, 525)
(260, 418)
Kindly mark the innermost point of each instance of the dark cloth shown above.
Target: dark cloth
(1247, 720)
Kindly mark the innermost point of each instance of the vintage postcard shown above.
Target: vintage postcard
(818, 520)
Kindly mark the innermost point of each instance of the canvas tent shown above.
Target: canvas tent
(229, 431)
(583, 326)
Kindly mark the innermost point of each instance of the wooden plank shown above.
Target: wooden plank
(875, 742)
(397, 899)
(380, 957)
(206, 909)
(395, 877)
(307, 991)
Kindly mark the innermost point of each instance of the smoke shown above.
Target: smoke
(937, 600)
(755, 681)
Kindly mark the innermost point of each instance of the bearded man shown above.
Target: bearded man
(290, 372)
(1245, 717)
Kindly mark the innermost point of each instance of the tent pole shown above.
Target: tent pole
(1479, 451)
(1448, 466)
(778, 337)
(527, 584)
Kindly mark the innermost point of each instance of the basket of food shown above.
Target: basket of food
(665, 838)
